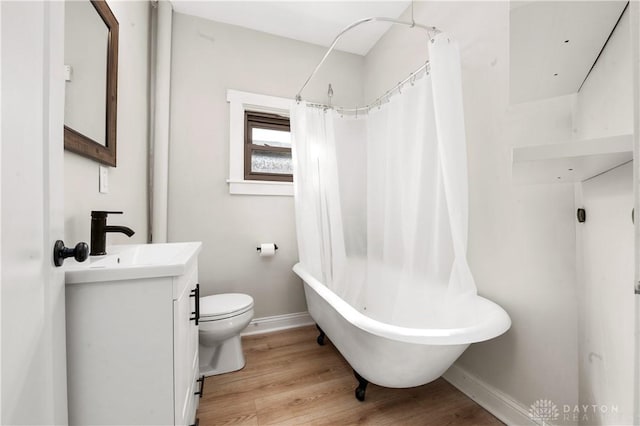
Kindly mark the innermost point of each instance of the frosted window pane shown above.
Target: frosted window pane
(271, 162)
(270, 137)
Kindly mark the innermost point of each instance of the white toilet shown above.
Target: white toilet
(222, 318)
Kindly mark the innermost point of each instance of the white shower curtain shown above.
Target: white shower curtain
(381, 200)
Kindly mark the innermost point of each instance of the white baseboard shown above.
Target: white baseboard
(491, 399)
(277, 323)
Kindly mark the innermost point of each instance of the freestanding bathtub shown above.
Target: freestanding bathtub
(413, 345)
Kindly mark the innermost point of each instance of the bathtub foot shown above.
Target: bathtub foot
(362, 386)
(320, 338)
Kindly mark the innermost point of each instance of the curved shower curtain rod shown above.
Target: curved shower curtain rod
(349, 27)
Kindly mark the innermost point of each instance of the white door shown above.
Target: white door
(33, 360)
(606, 301)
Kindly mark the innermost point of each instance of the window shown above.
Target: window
(259, 144)
(267, 152)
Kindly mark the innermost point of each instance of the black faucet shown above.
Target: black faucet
(99, 229)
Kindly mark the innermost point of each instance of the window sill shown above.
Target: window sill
(255, 187)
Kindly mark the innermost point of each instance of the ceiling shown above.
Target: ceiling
(553, 45)
(542, 64)
(316, 22)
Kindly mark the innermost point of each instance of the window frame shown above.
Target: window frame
(263, 120)
(239, 102)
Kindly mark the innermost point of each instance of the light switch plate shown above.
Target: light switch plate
(67, 72)
(103, 180)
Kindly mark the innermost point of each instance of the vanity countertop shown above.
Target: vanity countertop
(134, 261)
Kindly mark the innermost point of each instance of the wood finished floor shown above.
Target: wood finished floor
(290, 380)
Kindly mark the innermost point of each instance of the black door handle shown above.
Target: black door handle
(201, 391)
(196, 314)
(80, 252)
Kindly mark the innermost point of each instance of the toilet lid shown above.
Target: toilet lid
(219, 306)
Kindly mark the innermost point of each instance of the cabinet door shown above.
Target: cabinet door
(185, 349)
(119, 352)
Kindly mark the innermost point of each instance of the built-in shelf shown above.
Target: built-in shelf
(573, 161)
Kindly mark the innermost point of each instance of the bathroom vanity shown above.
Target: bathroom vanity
(132, 336)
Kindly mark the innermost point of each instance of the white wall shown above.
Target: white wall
(128, 181)
(604, 107)
(207, 59)
(521, 238)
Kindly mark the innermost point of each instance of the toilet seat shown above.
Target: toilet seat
(223, 306)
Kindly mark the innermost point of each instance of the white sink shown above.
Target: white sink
(133, 261)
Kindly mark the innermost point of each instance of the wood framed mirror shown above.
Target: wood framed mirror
(91, 75)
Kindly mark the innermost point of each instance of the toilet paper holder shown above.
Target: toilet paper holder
(259, 249)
